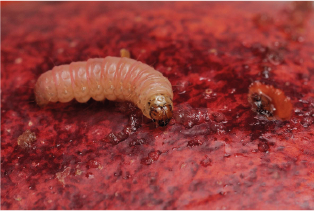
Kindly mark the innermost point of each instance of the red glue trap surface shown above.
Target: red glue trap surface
(216, 152)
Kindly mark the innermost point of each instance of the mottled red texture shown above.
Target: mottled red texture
(215, 154)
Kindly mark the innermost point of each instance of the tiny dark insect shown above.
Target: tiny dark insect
(112, 78)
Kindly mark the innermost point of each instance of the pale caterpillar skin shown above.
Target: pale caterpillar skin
(112, 78)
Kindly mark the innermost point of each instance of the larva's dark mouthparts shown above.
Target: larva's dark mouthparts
(160, 109)
(162, 122)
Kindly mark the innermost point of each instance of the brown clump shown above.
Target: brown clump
(26, 139)
(124, 53)
(269, 101)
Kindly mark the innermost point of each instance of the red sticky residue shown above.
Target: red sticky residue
(194, 143)
(205, 162)
(152, 156)
(93, 164)
(263, 146)
(269, 101)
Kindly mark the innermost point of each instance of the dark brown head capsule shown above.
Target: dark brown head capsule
(160, 109)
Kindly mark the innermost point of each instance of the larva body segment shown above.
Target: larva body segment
(94, 70)
(62, 78)
(80, 81)
(111, 78)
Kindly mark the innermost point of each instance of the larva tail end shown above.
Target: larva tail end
(40, 100)
(161, 109)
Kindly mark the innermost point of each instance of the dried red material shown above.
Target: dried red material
(263, 146)
(206, 162)
(194, 143)
(155, 155)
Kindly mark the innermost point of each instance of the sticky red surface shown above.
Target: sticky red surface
(215, 154)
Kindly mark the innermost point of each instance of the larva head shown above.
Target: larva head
(269, 101)
(262, 104)
(160, 109)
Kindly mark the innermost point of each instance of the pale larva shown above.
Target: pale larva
(112, 78)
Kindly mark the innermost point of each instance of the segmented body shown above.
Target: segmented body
(111, 78)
